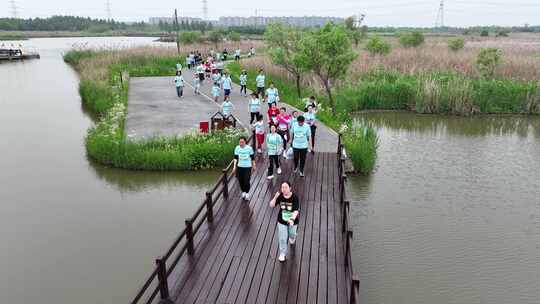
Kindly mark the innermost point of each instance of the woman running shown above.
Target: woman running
(273, 113)
(244, 162)
(259, 132)
(311, 119)
(254, 107)
(216, 91)
(260, 83)
(179, 83)
(227, 108)
(243, 83)
(226, 82)
(196, 84)
(289, 206)
(301, 135)
(272, 95)
(284, 120)
(273, 145)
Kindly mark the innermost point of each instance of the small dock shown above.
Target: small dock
(227, 251)
(17, 54)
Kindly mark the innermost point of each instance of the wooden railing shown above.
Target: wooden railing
(157, 282)
(353, 283)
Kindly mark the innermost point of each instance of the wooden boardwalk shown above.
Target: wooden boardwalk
(228, 251)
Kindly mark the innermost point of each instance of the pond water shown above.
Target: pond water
(452, 213)
(72, 231)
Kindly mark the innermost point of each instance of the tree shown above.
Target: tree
(487, 61)
(412, 39)
(215, 36)
(353, 31)
(484, 33)
(190, 37)
(328, 53)
(285, 50)
(456, 44)
(234, 36)
(377, 45)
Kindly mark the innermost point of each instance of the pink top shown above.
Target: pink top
(283, 121)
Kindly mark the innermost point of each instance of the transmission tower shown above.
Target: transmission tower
(440, 15)
(108, 10)
(13, 9)
(205, 9)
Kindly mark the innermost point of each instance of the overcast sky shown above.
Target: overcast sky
(378, 12)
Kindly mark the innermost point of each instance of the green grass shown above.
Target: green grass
(12, 37)
(106, 141)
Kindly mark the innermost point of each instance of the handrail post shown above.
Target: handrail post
(355, 286)
(344, 222)
(162, 281)
(209, 208)
(225, 184)
(189, 236)
(348, 237)
(253, 141)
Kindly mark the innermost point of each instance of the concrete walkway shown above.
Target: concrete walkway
(155, 110)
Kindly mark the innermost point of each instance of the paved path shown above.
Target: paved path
(155, 110)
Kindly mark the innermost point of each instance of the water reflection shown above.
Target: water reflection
(521, 125)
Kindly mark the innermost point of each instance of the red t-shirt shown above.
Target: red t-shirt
(272, 115)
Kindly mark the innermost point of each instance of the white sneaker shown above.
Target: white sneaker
(243, 195)
(285, 153)
(259, 150)
(295, 170)
(292, 241)
(301, 174)
(246, 197)
(270, 177)
(281, 258)
(278, 170)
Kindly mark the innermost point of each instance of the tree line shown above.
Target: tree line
(62, 23)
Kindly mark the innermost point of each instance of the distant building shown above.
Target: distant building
(307, 21)
(157, 20)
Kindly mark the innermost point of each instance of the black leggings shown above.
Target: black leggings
(243, 89)
(244, 176)
(313, 129)
(253, 117)
(300, 155)
(273, 159)
(285, 137)
(260, 91)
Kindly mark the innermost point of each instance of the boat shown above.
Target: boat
(16, 53)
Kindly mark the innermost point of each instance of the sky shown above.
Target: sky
(378, 12)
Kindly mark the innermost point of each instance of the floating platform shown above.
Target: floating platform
(17, 54)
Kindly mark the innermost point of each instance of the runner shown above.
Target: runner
(254, 107)
(251, 52)
(216, 91)
(289, 205)
(273, 145)
(244, 162)
(200, 72)
(225, 54)
(179, 82)
(311, 119)
(215, 76)
(227, 108)
(188, 62)
(272, 95)
(310, 102)
(259, 132)
(192, 60)
(294, 119)
(301, 134)
(260, 83)
(243, 82)
(284, 120)
(207, 69)
(196, 84)
(226, 81)
(273, 113)
(237, 54)
(178, 66)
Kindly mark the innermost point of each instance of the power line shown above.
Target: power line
(13, 8)
(108, 10)
(205, 9)
(439, 22)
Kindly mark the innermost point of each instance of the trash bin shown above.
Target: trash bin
(204, 126)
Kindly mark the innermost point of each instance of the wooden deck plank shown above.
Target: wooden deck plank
(218, 258)
(200, 265)
(235, 259)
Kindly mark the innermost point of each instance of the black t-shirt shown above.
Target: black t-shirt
(286, 208)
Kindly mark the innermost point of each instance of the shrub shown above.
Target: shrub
(484, 33)
(488, 60)
(502, 34)
(361, 143)
(377, 45)
(234, 36)
(190, 37)
(456, 44)
(412, 39)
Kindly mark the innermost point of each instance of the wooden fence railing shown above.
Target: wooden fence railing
(157, 282)
(353, 283)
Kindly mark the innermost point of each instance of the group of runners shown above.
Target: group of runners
(283, 134)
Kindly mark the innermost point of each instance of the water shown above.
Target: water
(452, 213)
(72, 231)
